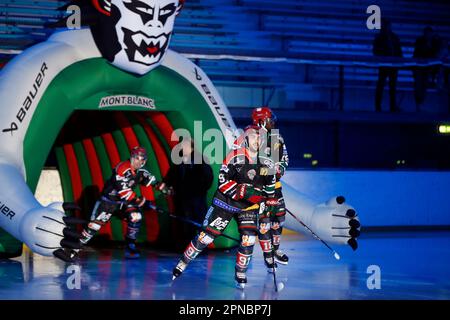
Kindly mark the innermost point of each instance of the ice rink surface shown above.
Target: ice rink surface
(412, 265)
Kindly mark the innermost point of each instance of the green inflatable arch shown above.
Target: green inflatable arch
(75, 89)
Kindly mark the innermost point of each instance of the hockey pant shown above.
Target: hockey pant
(271, 227)
(102, 213)
(217, 219)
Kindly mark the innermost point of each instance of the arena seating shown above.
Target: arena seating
(325, 35)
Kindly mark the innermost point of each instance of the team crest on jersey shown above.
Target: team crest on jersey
(264, 171)
(251, 174)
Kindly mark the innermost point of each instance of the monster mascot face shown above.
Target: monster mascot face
(134, 34)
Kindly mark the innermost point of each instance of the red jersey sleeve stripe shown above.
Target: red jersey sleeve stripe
(227, 186)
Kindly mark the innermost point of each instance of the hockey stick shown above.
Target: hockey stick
(183, 219)
(335, 254)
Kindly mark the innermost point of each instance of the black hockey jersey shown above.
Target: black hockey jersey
(124, 179)
(238, 168)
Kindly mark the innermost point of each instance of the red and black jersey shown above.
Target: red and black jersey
(274, 148)
(123, 180)
(238, 168)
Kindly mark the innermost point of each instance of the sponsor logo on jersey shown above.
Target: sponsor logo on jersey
(128, 100)
(204, 238)
(225, 206)
(242, 192)
(104, 217)
(264, 171)
(264, 228)
(248, 240)
(251, 174)
(135, 217)
(219, 223)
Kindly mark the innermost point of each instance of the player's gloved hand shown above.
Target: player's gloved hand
(164, 188)
(270, 207)
(279, 171)
(245, 191)
(150, 205)
(48, 231)
(140, 201)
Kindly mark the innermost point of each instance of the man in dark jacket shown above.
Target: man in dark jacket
(386, 44)
(427, 46)
(191, 182)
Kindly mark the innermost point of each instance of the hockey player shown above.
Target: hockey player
(119, 198)
(245, 185)
(275, 149)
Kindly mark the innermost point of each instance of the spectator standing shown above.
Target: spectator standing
(191, 182)
(387, 44)
(427, 46)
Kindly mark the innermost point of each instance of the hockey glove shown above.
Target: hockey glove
(164, 189)
(140, 202)
(245, 191)
(279, 171)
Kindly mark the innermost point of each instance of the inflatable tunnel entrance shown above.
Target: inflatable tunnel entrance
(91, 143)
(91, 114)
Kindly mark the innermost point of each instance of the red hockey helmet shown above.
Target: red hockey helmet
(138, 152)
(262, 116)
(252, 129)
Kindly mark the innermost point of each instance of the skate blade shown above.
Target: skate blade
(240, 285)
(281, 262)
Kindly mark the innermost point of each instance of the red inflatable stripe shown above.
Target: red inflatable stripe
(96, 174)
(111, 149)
(164, 126)
(161, 156)
(74, 171)
(114, 159)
